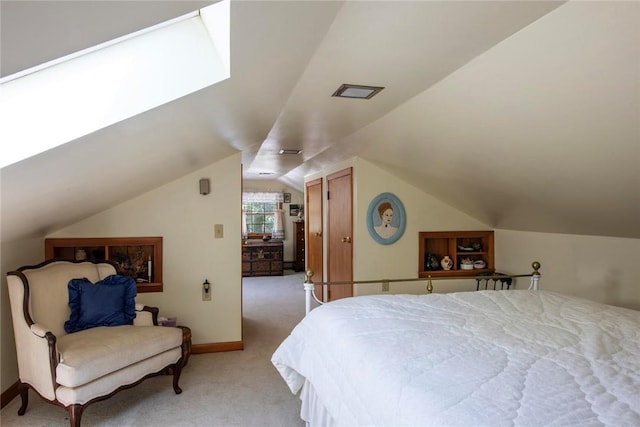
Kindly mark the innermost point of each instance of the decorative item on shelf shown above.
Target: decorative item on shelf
(132, 262)
(446, 263)
(431, 262)
(466, 264)
(266, 238)
(81, 254)
(301, 213)
(476, 247)
(294, 209)
(479, 264)
(465, 248)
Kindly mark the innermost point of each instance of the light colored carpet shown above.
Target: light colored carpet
(239, 388)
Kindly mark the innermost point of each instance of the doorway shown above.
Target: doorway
(340, 233)
(314, 229)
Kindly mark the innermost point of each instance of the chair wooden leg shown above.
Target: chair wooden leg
(24, 396)
(75, 415)
(176, 377)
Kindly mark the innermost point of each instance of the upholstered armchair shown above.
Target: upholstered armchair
(75, 369)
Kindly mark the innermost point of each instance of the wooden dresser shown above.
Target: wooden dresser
(262, 259)
(298, 246)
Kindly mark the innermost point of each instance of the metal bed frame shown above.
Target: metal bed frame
(309, 285)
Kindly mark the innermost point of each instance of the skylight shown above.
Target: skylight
(65, 99)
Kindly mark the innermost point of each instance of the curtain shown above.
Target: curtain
(253, 196)
(244, 224)
(278, 223)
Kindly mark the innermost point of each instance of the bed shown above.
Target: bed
(487, 358)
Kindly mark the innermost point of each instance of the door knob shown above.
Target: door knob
(346, 240)
(318, 233)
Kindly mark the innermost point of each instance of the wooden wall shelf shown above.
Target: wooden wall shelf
(441, 243)
(132, 256)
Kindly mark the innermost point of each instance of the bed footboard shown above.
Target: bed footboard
(309, 285)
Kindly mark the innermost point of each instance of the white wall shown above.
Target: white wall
(297, 197)
(423, 213)
(603, 269)
(185, 219)
(372, 260)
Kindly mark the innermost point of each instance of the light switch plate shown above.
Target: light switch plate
(218, 231)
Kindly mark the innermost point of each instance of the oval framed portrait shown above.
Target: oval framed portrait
(386, 218)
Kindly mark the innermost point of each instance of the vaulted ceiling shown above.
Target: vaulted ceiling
(526, 115)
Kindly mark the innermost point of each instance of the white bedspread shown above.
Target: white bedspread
(489, 358)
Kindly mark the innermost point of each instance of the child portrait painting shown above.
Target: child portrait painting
(386, 218)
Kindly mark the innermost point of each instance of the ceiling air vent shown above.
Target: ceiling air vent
(357, 91)
(289, 151)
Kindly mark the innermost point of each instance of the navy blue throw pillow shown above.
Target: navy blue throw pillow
(109, 302)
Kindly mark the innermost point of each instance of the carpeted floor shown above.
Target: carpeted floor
(240, 388)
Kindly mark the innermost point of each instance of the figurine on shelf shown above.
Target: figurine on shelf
(431, 262)
(81, 254)
(466, 264)
(479, 264)
(446, 263)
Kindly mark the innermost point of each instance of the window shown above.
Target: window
(260, 214)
